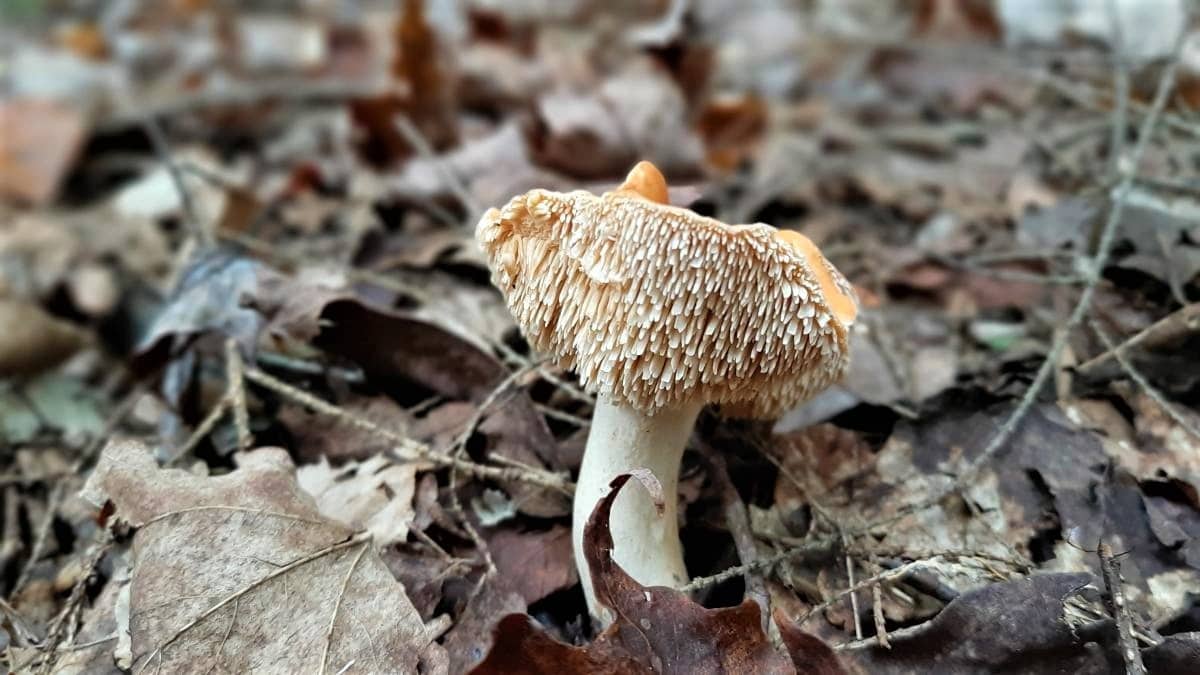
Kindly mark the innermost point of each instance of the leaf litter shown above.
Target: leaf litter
(243, 303)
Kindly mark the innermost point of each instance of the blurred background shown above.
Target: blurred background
(297, 183)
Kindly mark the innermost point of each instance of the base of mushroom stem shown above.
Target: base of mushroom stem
(645, 542)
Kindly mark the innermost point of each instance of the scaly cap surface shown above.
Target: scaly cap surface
(654, 305)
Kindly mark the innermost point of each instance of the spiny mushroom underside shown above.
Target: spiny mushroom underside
(656, 306)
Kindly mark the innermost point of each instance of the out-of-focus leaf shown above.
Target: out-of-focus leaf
(61, 402)
(32, 340)
(212, 296)
(38, 145)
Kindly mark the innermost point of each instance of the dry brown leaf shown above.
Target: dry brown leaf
(536, 563)
(375, 495)
(638, 113)
(38, 145)
(241, 572)
(655, 629)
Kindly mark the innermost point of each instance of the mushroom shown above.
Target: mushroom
(661, 311)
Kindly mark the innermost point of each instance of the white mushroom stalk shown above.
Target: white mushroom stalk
(661, 311)
(645, 541)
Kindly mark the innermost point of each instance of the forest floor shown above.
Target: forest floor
(261, 408)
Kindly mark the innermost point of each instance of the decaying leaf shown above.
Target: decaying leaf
(241, 572)
(375, 495)
(655, 629)
(1009, 627)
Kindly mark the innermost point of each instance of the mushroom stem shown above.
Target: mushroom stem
(645, 542)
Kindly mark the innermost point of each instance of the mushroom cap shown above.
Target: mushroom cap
(656, 306)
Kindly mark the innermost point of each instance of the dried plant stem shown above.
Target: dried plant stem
(738, 522)
(202, 235)
(1110, 569)
(1142, 382)
(1108, 234)
(1182, 321)
(236, 394)
(459, 450)
(407, 448)
(43, 534)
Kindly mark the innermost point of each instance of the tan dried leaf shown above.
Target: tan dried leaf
(242, 573)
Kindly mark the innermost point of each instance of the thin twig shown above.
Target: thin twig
(1110, 569)
(459, 449)
(767, 562)
(880, 621)
(236, 394)
(407, 448)
(43, 534)
(738, 522)
(1182, 321)
(162, 148)
(1142, 382)
(201, 431)
(1096, 269)
(455, 183)
(1116, 150)
(858, 631)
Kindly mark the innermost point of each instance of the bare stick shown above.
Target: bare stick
(858, 633)
(415, 138)
(460, 448)
(880, 621)
(43, 534)
(236, 394)
(1128, 174)
(1116, 149)
(822, 546)
(1142, 382)
(1182, 321)
(738, 522)
(1110, 568)
(162, 148)
(202, 430)
(407, 448)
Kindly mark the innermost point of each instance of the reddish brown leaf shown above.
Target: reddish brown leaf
(538, 563)
(38, 145)
(657, 629)
(526, 648)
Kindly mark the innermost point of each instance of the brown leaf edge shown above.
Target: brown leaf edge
(692, 638)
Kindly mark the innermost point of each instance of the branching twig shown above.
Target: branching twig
(416, 139)
(162, 148)
(738, 522)
(43, 534)
(1110, 569)
(236, 394)
(407, 448)
(1182, 321)
(1142, 382)
(1096, 269)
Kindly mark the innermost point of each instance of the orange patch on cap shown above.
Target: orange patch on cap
(842, 304)
(647, 182)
